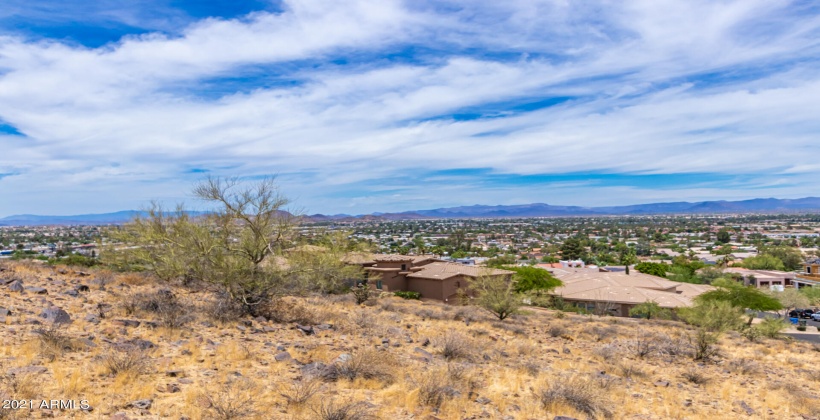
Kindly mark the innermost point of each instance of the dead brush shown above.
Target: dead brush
(629, 370)
(696, 376)
(54, 342)
(299, 392)
(164, 304)
(456, 346)
(555, 331)
(331, 410)
(132, 361)
(234, 399)
(434, 388)
(643, 345)
(581, 394)
(366, 364)
(21, 386)
(743, 366)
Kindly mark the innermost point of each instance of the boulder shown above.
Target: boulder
(141, 404)
(37, 290)
(56, 315)
(16, 286)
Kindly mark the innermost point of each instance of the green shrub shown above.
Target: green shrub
(771, 327)
(801, 328)
(407, 294)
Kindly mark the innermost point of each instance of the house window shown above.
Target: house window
(379, 284)
(808, 269)
(404, 267)
(458, 284)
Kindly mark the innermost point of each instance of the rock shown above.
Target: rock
(37, 290)
(92, 319)
(426, 342)
(749, 410)
(567, 351)
(141, 404)
(662, 383)
(120, 416)
(127, 322)
(82, 288)
(268, 328)
(563, 418)
(423, 355)
(306, 330)
(260, 319)
(135, 343)
(56, 315)
(315, 370)
(323, 327)
(27, 370)
(283, 356)
(4, 312)
(72, 293)
(172, 388)
(176, 373)
(482, 400)
(16, 286)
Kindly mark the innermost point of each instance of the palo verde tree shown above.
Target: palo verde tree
(238, 246)
(496, 294)
(650, 310)
(740, 296)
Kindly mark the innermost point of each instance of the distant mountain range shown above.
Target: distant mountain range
(758, 205)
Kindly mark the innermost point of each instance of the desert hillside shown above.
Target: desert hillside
(133, 347)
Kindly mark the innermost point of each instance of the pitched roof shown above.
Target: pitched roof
(445, 270)
(618, 287)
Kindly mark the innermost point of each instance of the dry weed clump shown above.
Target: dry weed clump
(54, 342)
(164, 304)
(234, 399)
(558, 330)
(331, 410)
(578, 393)
(366, 364)
(131, 362)
(743, 366)
(298, 393)
(21, 386)
(630, 370)
(696, 376)
(456, 346)
(288, 310)
(435, 387)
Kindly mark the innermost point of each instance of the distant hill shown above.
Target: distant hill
(757, 205)
(80, 219)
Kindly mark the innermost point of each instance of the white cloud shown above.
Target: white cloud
(659, 87)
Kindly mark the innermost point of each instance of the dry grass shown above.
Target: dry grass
(580, 394)
(448, 362)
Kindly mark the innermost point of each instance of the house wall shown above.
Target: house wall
(428, 288)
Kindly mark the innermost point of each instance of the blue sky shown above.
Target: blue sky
(361, 106)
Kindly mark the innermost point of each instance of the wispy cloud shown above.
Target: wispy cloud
(355, 102)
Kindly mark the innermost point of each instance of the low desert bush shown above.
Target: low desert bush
(332, 410)
(235, 399)
(408, 295)
(581, 394)
(696, 376)
(54, 342)
(643, 345)
(366, 364)
(436, 387)
(556, 331)
(456, 346)
(299, 392)
(771, 327)
(743, 366)
(163, 304)
(132, 361)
